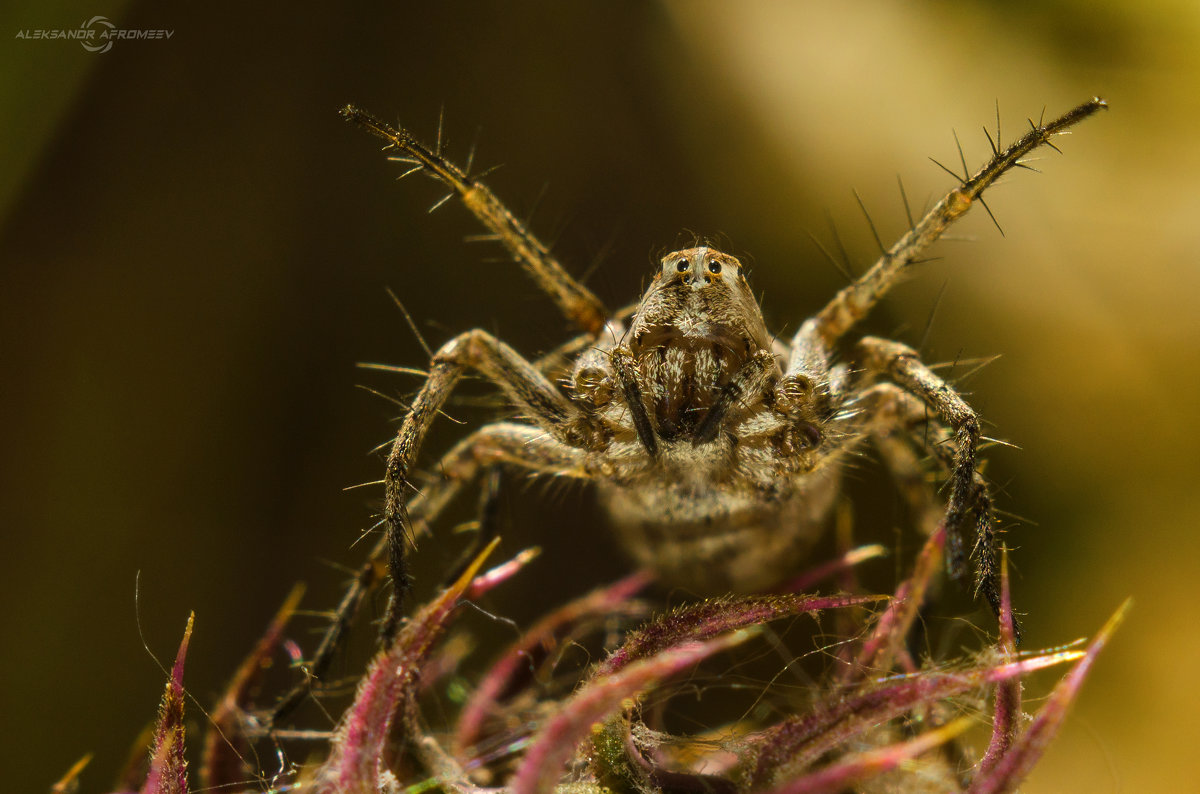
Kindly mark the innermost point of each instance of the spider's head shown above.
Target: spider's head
(700, 295)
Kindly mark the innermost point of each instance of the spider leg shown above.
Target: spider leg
(584, 364)
(489, 522)
(809, 353)
(554, 414)
(316, 668)
(853, 302)
(894, 438)
(488, 448)
(914, 390)
(892, 410)
(574, 300)
(808, 377)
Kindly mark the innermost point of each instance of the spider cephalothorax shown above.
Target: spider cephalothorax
(709, 468)
(714, 446)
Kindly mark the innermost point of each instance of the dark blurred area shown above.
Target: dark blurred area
(196, 252)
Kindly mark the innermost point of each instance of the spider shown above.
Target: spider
(715, 447)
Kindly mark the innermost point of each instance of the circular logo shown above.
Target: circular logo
(101, 24)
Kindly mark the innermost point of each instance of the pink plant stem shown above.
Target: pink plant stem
(483, 701)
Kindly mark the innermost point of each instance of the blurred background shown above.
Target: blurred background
(195, 253)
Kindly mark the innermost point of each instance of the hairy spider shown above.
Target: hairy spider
(715, 448)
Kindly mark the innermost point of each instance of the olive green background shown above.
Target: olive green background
(195, 252)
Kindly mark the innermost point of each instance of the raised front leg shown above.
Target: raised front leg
(575, 301)
(853, 302)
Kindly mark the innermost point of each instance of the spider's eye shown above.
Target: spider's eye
(714, 267)
(681, 265)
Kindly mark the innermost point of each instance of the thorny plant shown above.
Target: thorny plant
(716, 450)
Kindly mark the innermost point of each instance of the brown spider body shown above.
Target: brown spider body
(711, 537)
(709, 472)
(715, 447)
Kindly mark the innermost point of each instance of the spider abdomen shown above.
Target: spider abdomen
(713, 539)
